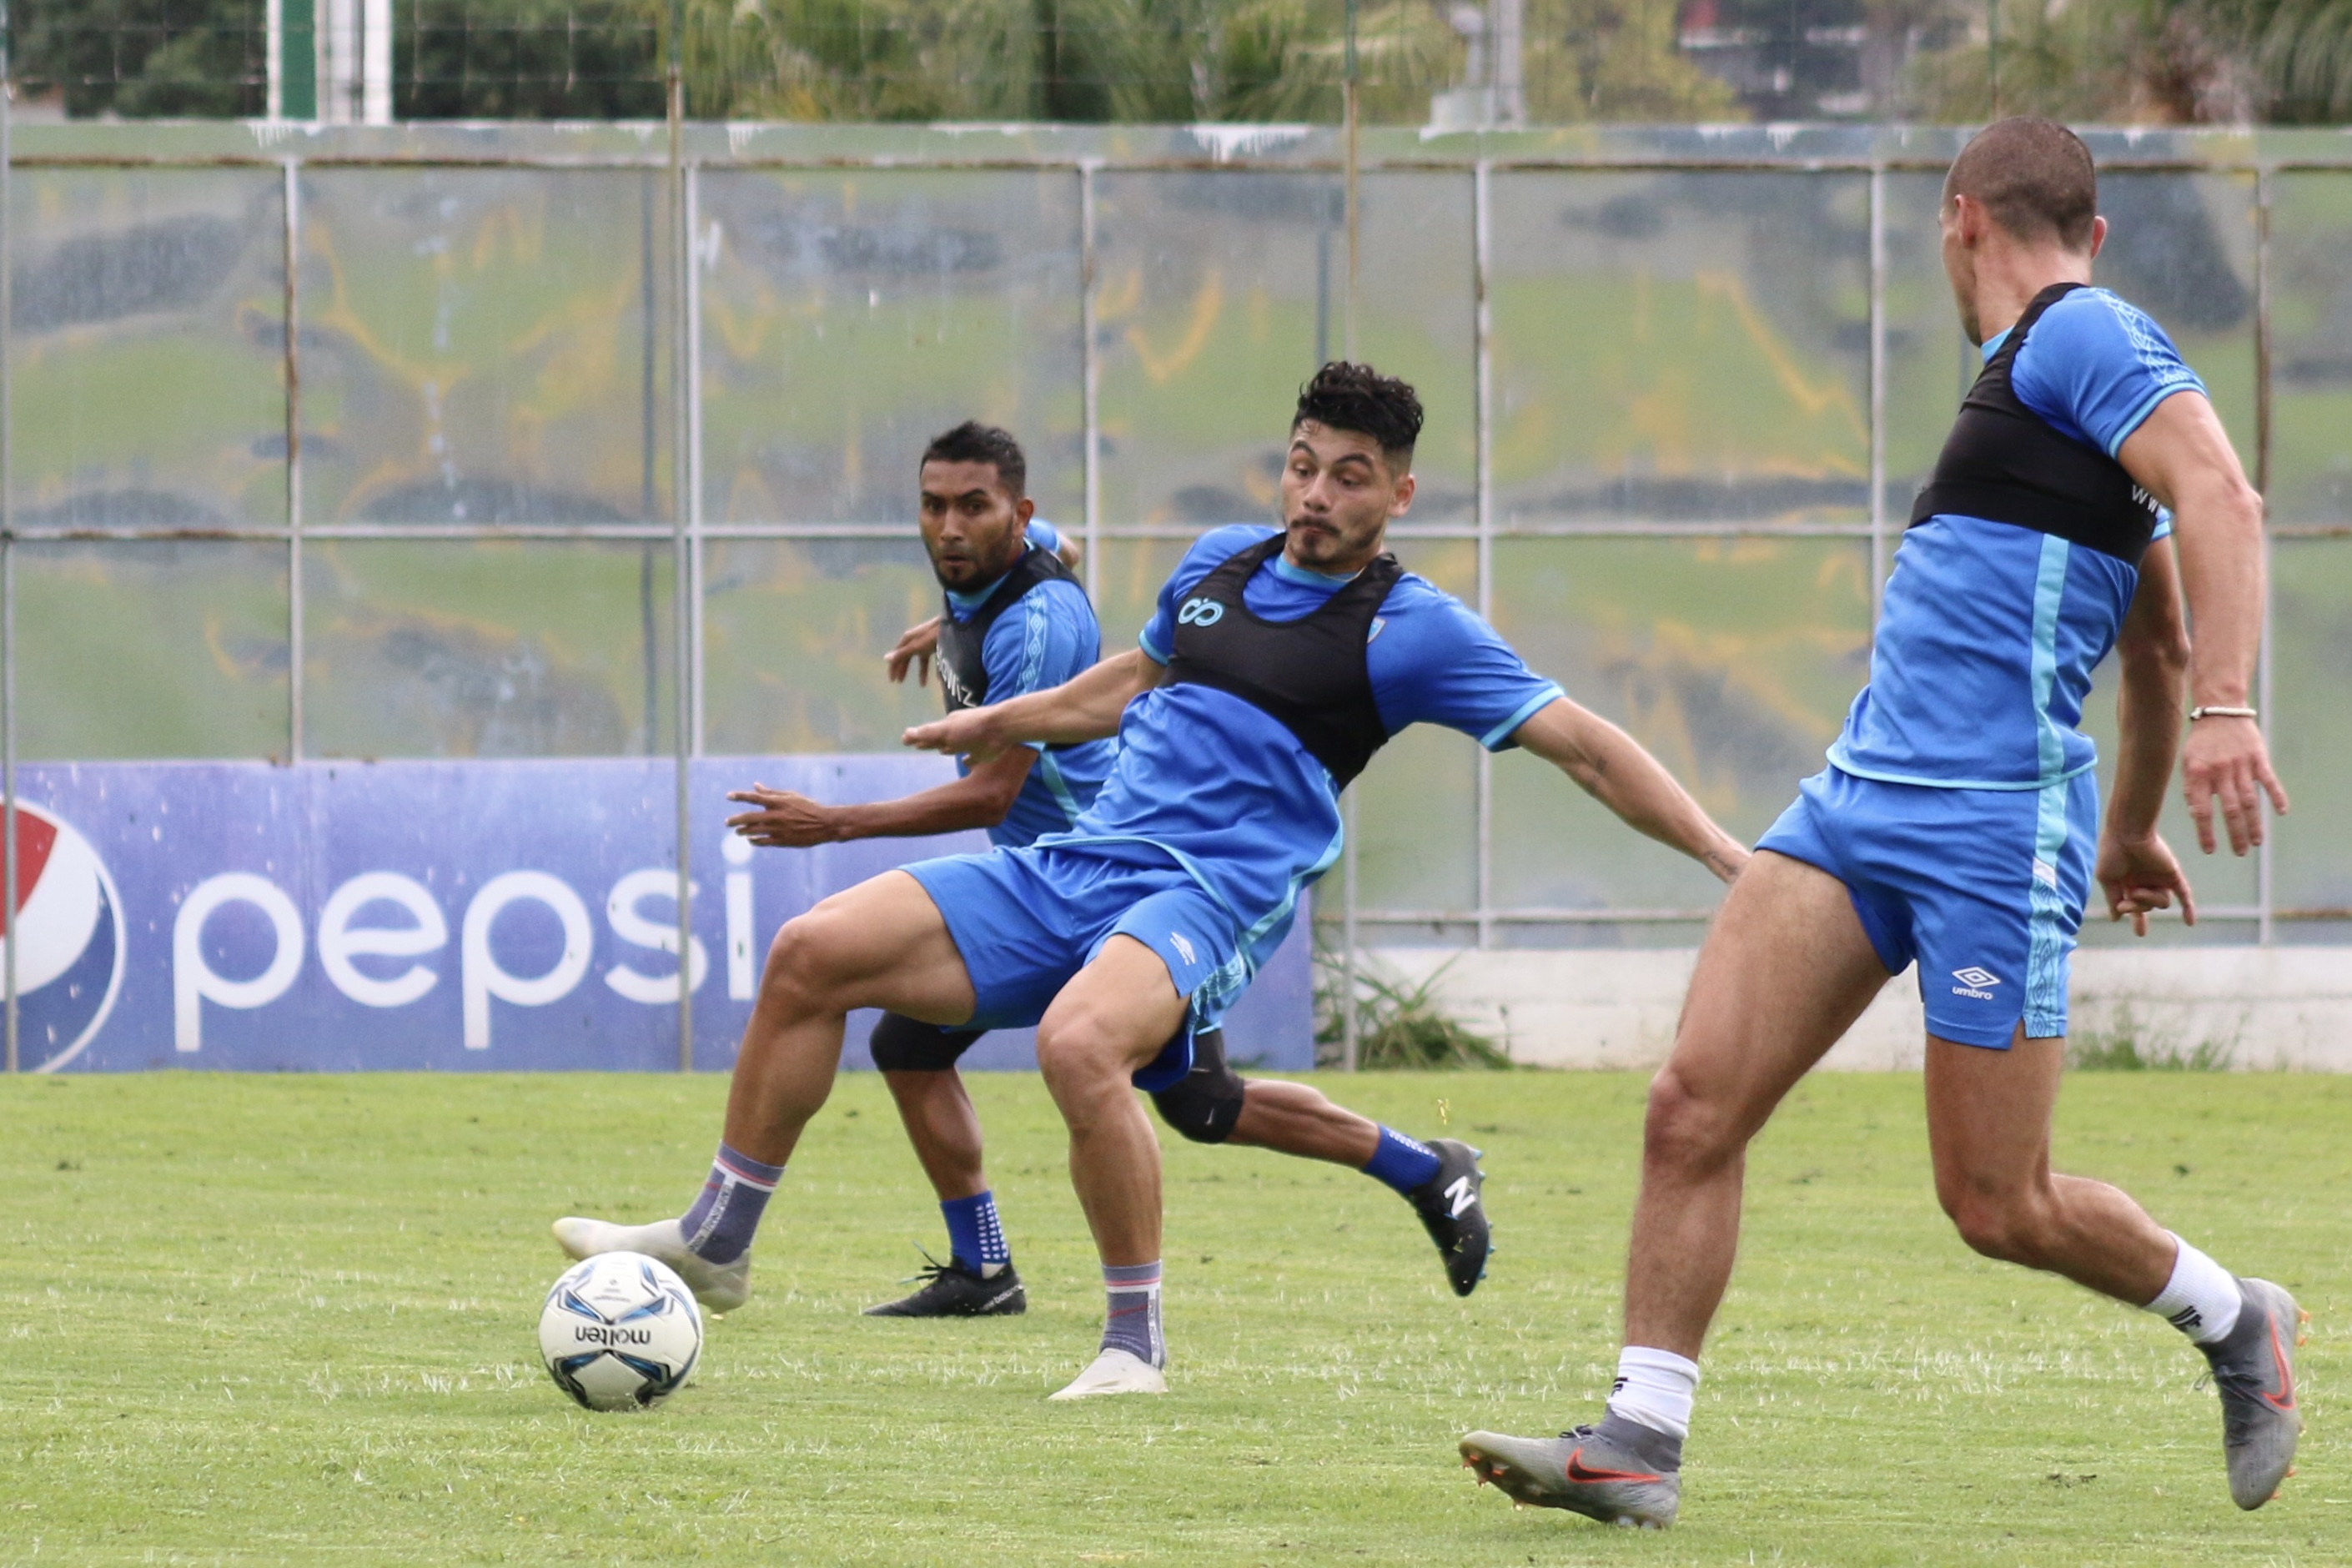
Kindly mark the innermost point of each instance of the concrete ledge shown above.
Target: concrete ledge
(2259, 1008)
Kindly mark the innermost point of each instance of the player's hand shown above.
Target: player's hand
(2141, 874)
(913, 650)
(2226, 763)
(784, 820)
(963, 734)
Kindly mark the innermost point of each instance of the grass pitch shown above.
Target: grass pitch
(291, 1320)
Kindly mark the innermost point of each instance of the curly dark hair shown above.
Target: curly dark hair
(1357, 398)
(972, 442)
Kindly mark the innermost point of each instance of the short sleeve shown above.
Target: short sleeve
(1434, 660)
(2095, 367)
(1047, 639)
(1208, 551)
(1044, 535)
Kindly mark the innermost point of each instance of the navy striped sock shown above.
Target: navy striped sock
(719, 1226)
(1133, 1324)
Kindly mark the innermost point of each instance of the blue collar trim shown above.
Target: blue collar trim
(1308, 578)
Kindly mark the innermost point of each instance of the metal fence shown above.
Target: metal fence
(543, 440)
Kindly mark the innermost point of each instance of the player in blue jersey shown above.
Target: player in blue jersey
(1957, 825)
(1016, 621)
(1280, 660)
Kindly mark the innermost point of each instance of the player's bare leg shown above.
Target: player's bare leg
(1989, 1116)
(879, 944)
(1294, 1118)
(1440, 1178)
(1112, 1018)
(1784, 972)
(944, 1128)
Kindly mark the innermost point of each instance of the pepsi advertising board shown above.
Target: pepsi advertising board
(482, 915)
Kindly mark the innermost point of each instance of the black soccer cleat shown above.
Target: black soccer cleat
(1450, 1210)
(951, 1289)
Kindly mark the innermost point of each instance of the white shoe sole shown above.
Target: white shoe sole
(721, 1287)
(1114, 1372)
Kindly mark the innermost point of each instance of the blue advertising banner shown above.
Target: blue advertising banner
(483, 915)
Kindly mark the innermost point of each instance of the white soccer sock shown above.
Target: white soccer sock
(1655, 1388)
(2200, 1299)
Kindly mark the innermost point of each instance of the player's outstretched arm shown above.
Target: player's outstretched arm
(2137, 869)
(1612, 767)
(784, 820)
(2180, 455)
(1087, 706)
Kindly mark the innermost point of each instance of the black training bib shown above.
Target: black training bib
(2005, 463)
(1309, 674)
(964, 673)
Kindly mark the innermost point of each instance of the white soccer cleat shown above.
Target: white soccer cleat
(719, 1287)
(1114, 1372)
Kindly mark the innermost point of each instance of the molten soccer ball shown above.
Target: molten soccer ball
(620, 1331)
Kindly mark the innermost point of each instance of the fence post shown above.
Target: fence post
(9, 901)
(681, 538)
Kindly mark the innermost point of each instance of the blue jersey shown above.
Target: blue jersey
(1043, 640)
(1226, 792)
(1989, 632)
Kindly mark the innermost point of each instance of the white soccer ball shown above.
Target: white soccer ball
(620, 1331)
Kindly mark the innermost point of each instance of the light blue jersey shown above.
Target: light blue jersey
(1227, 793)
(1045, 638)
(1989, 631)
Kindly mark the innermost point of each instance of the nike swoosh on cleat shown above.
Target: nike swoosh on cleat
(1578, 1472)
(2286, 1374)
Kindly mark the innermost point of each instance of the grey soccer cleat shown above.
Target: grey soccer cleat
(2254, 1368)
(720, 1287)
(1631, 1477)
(1450, 1210)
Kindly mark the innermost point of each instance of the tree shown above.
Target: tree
(143, 58)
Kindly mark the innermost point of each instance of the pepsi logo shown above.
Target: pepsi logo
(65, 927)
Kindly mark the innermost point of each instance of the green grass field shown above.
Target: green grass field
(289, 1320)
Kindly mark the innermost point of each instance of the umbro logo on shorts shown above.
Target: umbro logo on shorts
(1973, 980)
(1200, 612)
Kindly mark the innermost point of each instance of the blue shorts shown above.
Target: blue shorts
(1027, 919)
(1984, 887)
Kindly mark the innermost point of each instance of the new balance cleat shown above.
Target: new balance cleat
(1450, 1212)
(1584, 1472)
(1114, 1372)
(951, 1290)
(2254, 1368)
(720, 1287)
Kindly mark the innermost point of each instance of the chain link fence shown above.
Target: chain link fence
(525, 442)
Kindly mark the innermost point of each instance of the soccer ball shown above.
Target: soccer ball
(620, 1331)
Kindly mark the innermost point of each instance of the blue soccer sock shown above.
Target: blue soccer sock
(1403, 1163)
(975, 1236)
(719, 1226)
(1133, 1323)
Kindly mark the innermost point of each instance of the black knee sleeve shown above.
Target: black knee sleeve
(1207, 1103)
(907, 1045)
